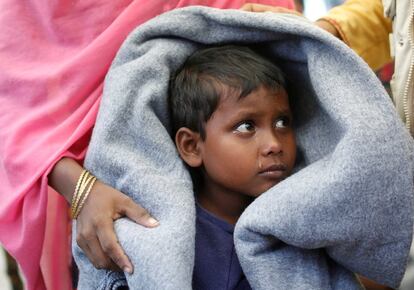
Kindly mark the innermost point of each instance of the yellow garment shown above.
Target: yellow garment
(363, 26)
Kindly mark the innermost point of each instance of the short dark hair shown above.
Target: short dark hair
(210, 73)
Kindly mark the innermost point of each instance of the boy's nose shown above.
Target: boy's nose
(271, 145)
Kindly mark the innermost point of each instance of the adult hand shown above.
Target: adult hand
(322, 23)
(328, 26)
(267, 8)
(95, 223)
(95, 226)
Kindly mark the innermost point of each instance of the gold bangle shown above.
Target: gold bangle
(78, 195)
(85, 196)
(75, 197)
(81, 193)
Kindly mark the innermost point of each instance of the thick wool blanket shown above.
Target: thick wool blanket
(347, 209)
(54, 56)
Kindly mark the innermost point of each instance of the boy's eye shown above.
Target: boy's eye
(245, 127)
(282, 122)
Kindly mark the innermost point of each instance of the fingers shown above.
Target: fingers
(88, 242)
(111, 247)
(267, 8)
(96, 236)
(259, 8)
(247, 7)
(328, 26)
(137, 213)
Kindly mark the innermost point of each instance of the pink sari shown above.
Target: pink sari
(53, 59)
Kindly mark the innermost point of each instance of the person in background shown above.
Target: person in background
(53, 61)
(380, 31)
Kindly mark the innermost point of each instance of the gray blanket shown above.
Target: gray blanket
(348, 208)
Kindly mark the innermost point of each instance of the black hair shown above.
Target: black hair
(211, 73)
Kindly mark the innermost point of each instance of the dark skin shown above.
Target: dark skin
(96, 235)
(249, 147)
(104, 205)
(327, 26)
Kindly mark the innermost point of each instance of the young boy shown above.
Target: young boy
(232, 126)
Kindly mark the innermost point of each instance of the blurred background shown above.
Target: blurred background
(314, 9)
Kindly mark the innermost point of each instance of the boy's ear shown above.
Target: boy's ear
(188, 145)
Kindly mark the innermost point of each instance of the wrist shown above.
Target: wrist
(64, 176)
(83, 188)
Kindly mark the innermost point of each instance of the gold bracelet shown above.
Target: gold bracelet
(78, 194)
(84, 197)
(81, 193)
(75, 194)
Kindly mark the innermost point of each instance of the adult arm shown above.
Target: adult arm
(104, 205)
(49, 99)
(361, 24)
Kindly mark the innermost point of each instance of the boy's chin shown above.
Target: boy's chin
(263, 189)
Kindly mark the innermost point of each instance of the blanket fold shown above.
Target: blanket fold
(53, 60)
(347, 209)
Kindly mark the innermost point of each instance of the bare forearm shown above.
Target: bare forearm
(64, 176)
(104, 204)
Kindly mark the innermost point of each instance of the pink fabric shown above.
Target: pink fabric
(53, 59)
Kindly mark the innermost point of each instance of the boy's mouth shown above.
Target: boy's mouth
(274, 171)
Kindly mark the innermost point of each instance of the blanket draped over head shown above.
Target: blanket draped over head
(54, 56)
(348, 207)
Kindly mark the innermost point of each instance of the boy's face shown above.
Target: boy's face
(250, 144)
